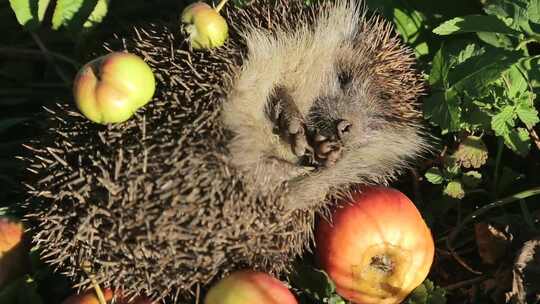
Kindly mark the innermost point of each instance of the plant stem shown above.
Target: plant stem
(221, 5)
(30, 52)
(49, 57)
(499, 203)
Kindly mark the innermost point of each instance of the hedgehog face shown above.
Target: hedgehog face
(324, 104)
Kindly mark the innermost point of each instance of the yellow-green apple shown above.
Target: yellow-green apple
(377, 248)
(111, 88)
(248, 287)
(204, 25)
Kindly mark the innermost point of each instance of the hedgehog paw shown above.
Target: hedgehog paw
(288, 122)
(327, 150)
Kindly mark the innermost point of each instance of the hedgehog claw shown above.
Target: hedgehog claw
(288, 122)
(327, 150)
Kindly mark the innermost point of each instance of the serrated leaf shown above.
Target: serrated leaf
(475, 74)
(471, 179)
(474, 23)
(313, 282)
(434, 176)
(439, 69)
(527, 114)
(455, 189)
(29, 13)
(516, 81)
(533, 10)
(514, 11)
(503, 122)
(76, 14)
(442, 109)
(518, 141)
(472, 152)
(427, 293)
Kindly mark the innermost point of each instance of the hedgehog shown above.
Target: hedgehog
(239, 150)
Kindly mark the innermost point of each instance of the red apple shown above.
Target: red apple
(13, 250)
(249, 287)
(205, 26)
(111, 88)
(89, 297)
(377, 249)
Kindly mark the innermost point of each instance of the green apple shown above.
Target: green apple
(248, 287)
(111, 88)
(205, 26)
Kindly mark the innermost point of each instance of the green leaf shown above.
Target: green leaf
(471, 179)
(474, 23)
(527, 114)
(475, 74)
(410, 24)
(442, 109)
(455, 189)
(514, 12)
(439, 69)
(427, 293)
(503, 122)
(518, 141)
(533, 10)
(434, 176)
(29, 13)
(472, 152)
(76, 14)
(517, 83)
(314, 282)
(496, 40)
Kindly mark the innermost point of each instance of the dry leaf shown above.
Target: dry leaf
(526, 274)
(492, 243)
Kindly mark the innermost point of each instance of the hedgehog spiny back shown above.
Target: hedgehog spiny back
(152, 204)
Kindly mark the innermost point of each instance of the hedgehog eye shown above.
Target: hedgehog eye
(345, 79)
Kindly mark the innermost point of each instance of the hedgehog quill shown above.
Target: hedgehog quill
(239, 149)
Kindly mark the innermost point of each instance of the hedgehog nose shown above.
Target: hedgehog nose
(343, 128)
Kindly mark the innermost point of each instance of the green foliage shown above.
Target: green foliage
(427, 293)
(71, 14)
(315, 285)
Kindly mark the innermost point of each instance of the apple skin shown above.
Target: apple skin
(205, 26)
(379, 224)
(14, 258)
(248, 287)
(109, 89)
(89, 297)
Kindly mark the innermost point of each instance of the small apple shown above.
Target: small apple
(248, 287)
(13, 250)
(111, 88)
(377, 248)
(204, 25)
(89, 297)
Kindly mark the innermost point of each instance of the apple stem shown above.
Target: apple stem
(221, 5)
(95, 285)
